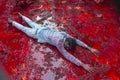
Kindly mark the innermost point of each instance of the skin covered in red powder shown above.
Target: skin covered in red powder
(95, 24)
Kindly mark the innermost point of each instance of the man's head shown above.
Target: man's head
(70, 43)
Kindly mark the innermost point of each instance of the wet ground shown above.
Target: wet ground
(98, 25)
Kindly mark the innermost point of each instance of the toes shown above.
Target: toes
(9, 20)
(20, 14)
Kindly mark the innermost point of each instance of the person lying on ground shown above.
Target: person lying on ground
(61, 40)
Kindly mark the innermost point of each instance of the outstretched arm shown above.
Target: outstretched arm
(73, 59)
(80, 43)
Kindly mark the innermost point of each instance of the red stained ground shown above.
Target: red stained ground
(98, 25)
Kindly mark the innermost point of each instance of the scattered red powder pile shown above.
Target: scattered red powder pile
(98, 25)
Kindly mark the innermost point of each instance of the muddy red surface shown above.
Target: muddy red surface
(98, 25)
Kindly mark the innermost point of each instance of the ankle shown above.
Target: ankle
(10, 21)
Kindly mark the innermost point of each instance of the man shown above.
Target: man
(61, 40)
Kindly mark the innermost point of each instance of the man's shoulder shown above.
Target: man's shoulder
(64, 33)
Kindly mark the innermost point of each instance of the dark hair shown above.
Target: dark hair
(71, 43)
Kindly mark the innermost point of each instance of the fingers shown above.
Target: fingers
(88, 68)
(95, 51)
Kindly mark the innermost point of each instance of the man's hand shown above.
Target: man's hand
(94, 51)
(87, 67)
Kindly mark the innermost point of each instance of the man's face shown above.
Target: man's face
(66, 45)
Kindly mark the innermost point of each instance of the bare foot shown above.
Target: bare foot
(20, 15)
(10, 21)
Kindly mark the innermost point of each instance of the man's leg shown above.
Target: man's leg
(30, 22)
(31, 32)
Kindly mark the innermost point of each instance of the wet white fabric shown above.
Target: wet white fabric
(31, 32)
(49, 36)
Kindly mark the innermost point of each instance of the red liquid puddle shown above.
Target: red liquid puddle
(95, 24)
